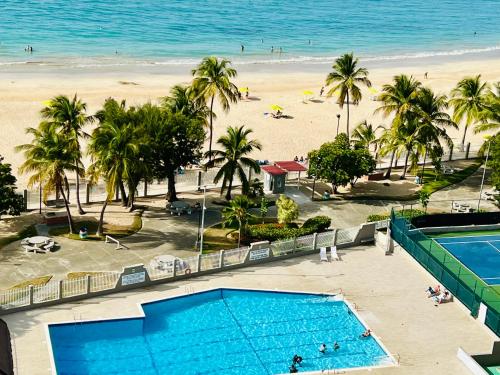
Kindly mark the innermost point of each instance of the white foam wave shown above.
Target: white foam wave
(285, 59)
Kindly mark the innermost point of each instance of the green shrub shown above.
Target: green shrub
(319, 223)
(275, 232)
(407, 214)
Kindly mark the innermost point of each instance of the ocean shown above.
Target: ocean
(101, 32)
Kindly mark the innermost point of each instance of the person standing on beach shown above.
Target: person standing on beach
(425, 75)
(242, 48)
(272, 49)
(322, 90)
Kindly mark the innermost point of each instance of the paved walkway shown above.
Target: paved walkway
(388, 290)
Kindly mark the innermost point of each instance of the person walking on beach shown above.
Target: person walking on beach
(242, 48)
(322, 91)
(425, 75)
(247, 93)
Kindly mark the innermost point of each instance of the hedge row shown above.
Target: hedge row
(274, 232)
(407, 214)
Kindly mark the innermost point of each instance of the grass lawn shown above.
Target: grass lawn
(431, 184)
(29, 231)
(91, 225)
(39, 281)
(77, 275)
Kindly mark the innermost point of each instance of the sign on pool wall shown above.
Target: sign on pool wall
(259, 254)
(134, 278)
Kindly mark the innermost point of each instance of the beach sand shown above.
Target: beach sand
(24, 89)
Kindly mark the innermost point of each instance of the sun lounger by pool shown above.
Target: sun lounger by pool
(333, 253)
(322, 255)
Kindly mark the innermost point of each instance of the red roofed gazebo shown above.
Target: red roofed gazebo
(290, 166)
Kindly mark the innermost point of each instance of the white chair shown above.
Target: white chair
(322, 254)
(333, 253)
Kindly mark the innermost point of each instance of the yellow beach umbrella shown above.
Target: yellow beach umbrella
(243, 89)
(373, 90)
(276, 107)
(308, 93)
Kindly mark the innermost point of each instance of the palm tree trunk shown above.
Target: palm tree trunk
(171, 192)
(230, 187)
(123, 194)
(211, 129)
(348, 133)
(131, 198)
(389, 170)
(66, 186)
(101, 219)
(68, 212)
(80, 209)
(239, 233)
(406, 165)
(463, 137)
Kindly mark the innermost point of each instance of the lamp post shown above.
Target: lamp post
(203, 208)
(338, 123)
(484, 173)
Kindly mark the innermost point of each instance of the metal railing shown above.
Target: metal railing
(108, 282)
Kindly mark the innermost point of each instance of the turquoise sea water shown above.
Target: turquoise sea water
(223, 332)
(179, 31)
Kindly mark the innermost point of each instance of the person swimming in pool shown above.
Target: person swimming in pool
(336, 346)
(366, 334)
(322, 348)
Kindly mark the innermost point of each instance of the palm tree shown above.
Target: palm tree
(469, 101)
(344, 78)
(184, 100)
(491, 116)
(399, 99)
(432, 123)
(237, 211)
(233, 159)
(365, 136)
(114, 148)
(48, 156)
(69, 116)
(212, 78)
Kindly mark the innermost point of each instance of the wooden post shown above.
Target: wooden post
(198, 181)
(199, 263)
(87, 193)
(60, 290)
(315, 240)
(30, 289)
(176, 261)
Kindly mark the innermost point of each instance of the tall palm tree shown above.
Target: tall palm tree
(233, 158)
(237, 211)
(491, 116)
(469, 101)
(432, 124)
(212, 78)
(400, 99)
(70, 117)
(365, 135)
(48, 156)
(114, 148)
(344, 78)
(184, 100)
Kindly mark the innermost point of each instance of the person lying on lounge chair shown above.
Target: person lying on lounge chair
(433, 292)
(442, 298)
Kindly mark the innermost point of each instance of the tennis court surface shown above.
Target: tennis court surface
(480, 254)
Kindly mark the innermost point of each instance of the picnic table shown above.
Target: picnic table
(38, 244)
(179, 207)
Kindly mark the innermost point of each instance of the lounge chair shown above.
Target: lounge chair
(322, 254)
(333, 253)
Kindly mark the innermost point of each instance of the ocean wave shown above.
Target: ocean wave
(96, 62)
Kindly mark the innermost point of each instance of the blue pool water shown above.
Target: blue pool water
(184, 30)
(219, 332)
(480, 254)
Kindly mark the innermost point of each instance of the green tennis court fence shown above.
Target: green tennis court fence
(459, 280)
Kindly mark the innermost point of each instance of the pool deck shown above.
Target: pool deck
(388, 291)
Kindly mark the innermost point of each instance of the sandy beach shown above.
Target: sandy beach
(24, 89)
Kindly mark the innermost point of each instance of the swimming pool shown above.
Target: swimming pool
(222, 331)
